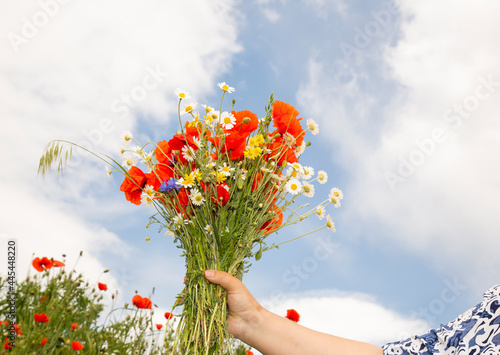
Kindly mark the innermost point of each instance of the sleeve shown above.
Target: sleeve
(476, 331)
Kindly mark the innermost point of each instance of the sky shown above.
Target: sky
(406, 96)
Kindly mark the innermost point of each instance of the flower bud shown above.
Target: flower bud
(247, 120)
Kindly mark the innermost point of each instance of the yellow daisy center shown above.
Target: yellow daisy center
(227, 120)
(294, 187)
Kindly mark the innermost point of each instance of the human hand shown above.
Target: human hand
(244, 309)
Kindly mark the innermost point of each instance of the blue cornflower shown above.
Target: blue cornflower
(167, 186)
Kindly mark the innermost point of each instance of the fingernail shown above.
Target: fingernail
(209, 273)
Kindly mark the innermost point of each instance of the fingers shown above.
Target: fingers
(222, 278)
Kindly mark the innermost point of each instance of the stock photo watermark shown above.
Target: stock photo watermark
(299, 272)
(122, 106)
(430, 313)
(452, 118)
(31, 25)
(380, 21)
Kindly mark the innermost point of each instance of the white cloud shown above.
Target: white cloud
(84, 71)
(444, 206)
(353, 316)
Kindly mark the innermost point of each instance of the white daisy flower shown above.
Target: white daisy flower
(308, 189)
(183, 94)
(293, 186)
(312, 126)
(208, 108)
(289, 139)
(126, 137)
(227, 120)
(322, 177)
(208, 228)
(321, 212)
(337, 193)
(226, 87)
(226, 170)
(196, 197)
(129, 161)
(299, 150)
(307, 172)
(170, 233)
(147, 196)
(186, 108)
(187, 153)
(330, 224)
(178, 219)
(334, 200)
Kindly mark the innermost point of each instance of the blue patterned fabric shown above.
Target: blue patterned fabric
(476, 331)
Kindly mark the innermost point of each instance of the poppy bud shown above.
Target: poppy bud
(247, 120)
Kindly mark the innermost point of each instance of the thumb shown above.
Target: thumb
(228, 282)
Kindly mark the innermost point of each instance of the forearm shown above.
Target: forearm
(272, 334)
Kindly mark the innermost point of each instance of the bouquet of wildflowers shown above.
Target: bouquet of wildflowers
(220, 186)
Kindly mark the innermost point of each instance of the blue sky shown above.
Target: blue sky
(406, 97)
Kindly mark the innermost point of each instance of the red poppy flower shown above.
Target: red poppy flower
(76, 345)
(17, 329)
(44, 298)
(245, 127)
(7, 346)
(142, 302)
(44, 340)
(292, 315)
(132, 186)
(285, 120)
(183, 197)
(281, 152)
(163, 152)
(74, 326)
(41, 318)
(102, 287)
(223, 194)
(56, 263)
(169, 315)
(159, 326)
(249, 352)
(42, 264)
(234, 145)
(4, 322)
(274, 223)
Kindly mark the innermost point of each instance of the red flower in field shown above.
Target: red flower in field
(292, 315)
(4, 322)
(76, 345)
(169, 315)
(132, 187)
(42, 264)
(141, 302)
(44, 298)
(44, 340)
(74, 326)
(41, 318)
(281, 152)
(183, 197)
(249, 352)
(223, 194)
(285, 120)
(159, 326)
(246, 122)
(102, 287)
(17, 329)
(163, 153)
(56, 263)
(7, 346)
(274, 223)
